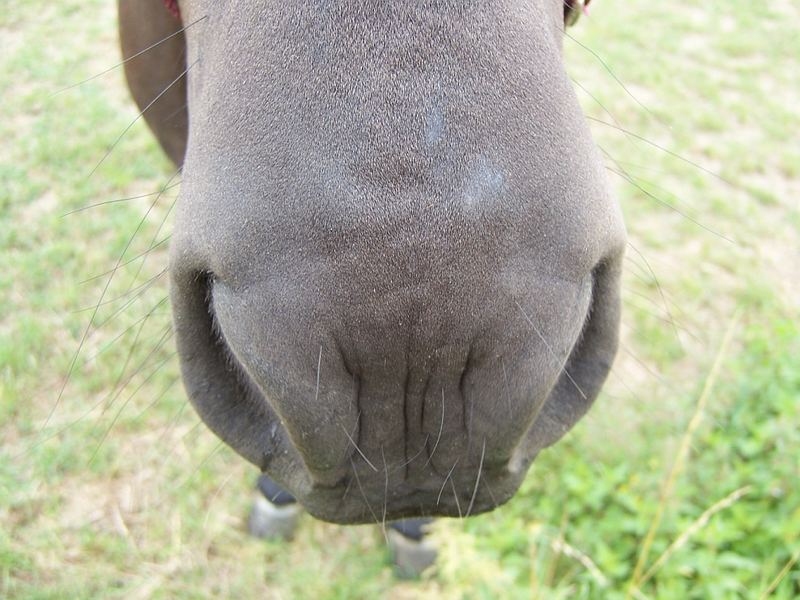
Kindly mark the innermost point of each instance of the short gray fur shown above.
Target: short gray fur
(395, 266)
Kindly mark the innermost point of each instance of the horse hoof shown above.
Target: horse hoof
(272, 522)
(411, 557)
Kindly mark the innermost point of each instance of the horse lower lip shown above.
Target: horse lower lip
(362, 501)
(357, 509)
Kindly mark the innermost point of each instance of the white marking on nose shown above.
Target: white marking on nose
(484, 183)
(434, 126)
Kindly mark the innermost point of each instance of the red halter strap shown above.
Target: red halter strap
(172, 6)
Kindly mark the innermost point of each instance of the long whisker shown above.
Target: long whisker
(444, 483)
(152, 242)
(132, 348)
(662, 149)
(112, 396)
(173, 422)
(352, 441)
(88, 328)
(134, 291)
(413, 458)
(169, 494)
(125, 404)
(130, 58)
(658, 287)
(647, 367)
(618, 80)
(139, 116)
(385, 491)
(455, 495)
(438, 437)
(630, 179)
(550, 349)
(136, 296)
(118, 200)
(319, 368)
(505, 380)
(477, 479)
(111, 343)
(86, 413)
(127, 262)
(364, 496)
(158, 398)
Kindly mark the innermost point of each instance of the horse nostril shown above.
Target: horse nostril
(207, 280)
(215, 382)
(586, 368)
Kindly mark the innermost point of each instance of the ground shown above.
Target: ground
(681, 483)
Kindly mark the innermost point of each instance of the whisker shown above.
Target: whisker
(594, 98)
(44, 439)
(410, 460)
(130, 58)
(507, 387)
(647, 367)
(477, 479)
(637, 399)
(112, 396)
(438, 437)
(169, 494)
(626, 177)
(125, 404)
(385, 491)
(347, 489)
(132, 348)
(646, 276)
(455, 495)
(158, 398)
(444, 483)
(153, 239)
(140, 295)
(136, 291)
(352, 441)
(108, 345)
(88, 327)
(550, 349)
(319, 368)
(118, 200)
(662, 149)
(634, 180)
(172, 423)
(364, 496)
(137, 296)
(491, 494)
(658, 287)
(139, 116)
(674, 325)
(215, 496)
(192, 431)
(175, 112)
(127, 262)
(618, 80)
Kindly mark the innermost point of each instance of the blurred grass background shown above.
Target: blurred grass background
(123, 494)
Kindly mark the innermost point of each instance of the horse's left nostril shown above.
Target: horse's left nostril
(586, 369)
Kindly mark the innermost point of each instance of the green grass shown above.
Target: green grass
(124, 495)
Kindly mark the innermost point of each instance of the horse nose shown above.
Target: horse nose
(398, 391)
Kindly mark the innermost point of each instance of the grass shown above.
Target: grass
(124, 494)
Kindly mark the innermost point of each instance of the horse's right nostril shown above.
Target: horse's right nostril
(224, 397)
